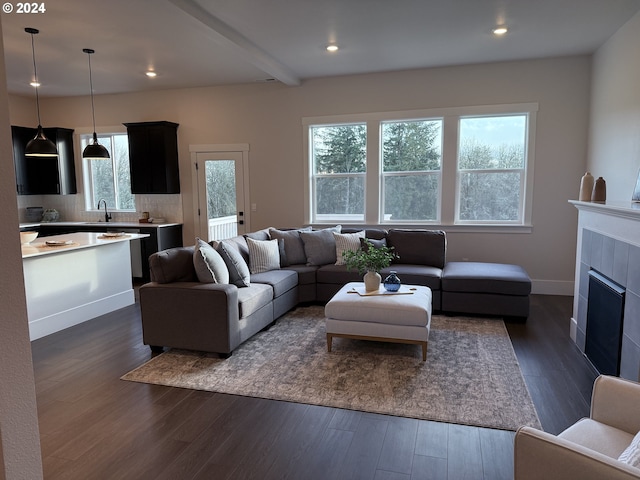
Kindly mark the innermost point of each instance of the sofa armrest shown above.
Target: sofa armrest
(190, 315)
(616, 402)
(540, 455)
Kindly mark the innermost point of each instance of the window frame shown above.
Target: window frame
(448, 193)
(316, 176)
(87, 173)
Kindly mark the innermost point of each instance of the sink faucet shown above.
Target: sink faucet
(107, 217)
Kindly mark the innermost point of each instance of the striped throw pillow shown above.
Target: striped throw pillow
(346, 242)
(264, 255)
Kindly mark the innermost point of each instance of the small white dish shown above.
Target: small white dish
(27, 237)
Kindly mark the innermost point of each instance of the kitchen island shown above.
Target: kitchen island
(75, 277)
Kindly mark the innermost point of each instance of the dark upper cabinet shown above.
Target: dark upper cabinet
(153, 157)
(44, 175)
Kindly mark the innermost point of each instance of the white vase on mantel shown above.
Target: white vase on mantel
(372, 281)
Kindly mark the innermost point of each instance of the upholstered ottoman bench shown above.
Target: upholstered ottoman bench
(486, 288)
(399, 318)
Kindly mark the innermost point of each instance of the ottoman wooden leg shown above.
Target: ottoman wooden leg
(424, 351)
(329, 342)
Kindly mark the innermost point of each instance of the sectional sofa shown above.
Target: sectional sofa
(213, 302)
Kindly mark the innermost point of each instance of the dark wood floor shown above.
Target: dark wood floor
(95, 426)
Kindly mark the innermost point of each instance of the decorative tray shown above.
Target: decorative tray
(381, 291)
(113, 235)
(58, 243)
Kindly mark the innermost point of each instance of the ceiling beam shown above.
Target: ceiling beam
(228, 35)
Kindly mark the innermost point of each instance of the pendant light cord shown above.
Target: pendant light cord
(93, 110)
(35, 74)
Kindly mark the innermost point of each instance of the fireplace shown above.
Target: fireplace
(605, 316)
(609, 245)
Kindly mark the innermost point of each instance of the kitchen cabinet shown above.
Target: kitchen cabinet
(44, 175)
(153, 157)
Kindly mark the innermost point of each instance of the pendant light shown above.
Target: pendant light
(94, 149)
(40, 145)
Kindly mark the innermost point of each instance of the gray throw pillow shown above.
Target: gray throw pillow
(293, 246)
(320, 246)
(209, 265)
(263, 255)
(374, 242)
(238, 268)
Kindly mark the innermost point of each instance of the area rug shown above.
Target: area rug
(471, 375)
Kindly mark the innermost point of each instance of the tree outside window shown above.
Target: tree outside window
(109, 179)
(491, 168)
(339, 155)
(411, 165)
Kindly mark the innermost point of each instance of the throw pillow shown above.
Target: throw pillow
(209, 265)
(376, 243)
(320, 246)
(631, 455)
(263, 255)
(346, 242)
(293, 246)
(238, 269)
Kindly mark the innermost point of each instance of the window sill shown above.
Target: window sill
(487, 228)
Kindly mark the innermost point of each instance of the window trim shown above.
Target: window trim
(448, 184)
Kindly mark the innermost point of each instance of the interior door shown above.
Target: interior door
(221, 211)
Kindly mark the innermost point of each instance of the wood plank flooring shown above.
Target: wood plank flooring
(95, 426)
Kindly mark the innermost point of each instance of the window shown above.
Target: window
(461, 167)
(338, 153)
(411, 165)
(108, 179)
(491, 169)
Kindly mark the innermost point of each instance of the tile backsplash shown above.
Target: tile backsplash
(72, 207)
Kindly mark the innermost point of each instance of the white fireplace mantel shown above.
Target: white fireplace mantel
(608, 240)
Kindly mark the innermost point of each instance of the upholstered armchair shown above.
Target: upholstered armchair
(592, 447)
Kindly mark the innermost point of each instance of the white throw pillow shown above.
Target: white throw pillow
(631, 455)
(209, 265)
(264, 255)
(346, 242)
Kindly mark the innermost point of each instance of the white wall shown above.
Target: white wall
(268, 117)
(614, 147)
(20, 456)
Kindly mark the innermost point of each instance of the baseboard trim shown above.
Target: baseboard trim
(552, 287)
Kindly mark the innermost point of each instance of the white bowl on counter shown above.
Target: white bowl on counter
(27, 237)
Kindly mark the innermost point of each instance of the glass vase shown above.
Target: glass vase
(392, 282)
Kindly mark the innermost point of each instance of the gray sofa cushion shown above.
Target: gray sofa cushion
(209, 265)
(253, 298)
(415, 274)
(337, 274)
(173, 265)
(418, 247)
(281, 280)
(293, 246)
(477, 277)
(306, 273)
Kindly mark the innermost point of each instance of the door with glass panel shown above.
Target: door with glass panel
(220, 190)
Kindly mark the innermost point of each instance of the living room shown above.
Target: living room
(588, 118)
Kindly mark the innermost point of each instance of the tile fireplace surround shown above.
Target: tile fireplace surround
(609, 242)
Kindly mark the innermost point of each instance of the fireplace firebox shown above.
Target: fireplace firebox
(605, 318)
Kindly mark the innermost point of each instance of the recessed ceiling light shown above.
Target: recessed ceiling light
(501, 30)
(332, 48)
(35, 84)
(151, 74)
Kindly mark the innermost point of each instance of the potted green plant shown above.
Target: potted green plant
(369, 260)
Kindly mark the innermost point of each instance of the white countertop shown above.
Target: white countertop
(77, 241)
(110, 225)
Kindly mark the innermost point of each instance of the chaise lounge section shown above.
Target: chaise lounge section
(180, 311)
